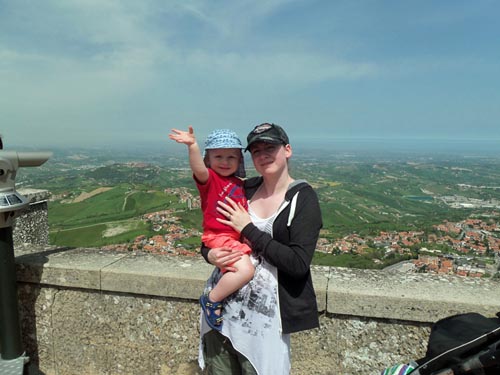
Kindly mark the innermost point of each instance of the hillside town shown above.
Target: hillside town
(467, 240)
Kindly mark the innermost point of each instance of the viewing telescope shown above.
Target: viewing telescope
(11, 202)
(12, 356)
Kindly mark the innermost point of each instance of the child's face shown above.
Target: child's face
(224, 161)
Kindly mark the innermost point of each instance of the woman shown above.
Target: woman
(282, 227)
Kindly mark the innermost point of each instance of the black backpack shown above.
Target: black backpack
(465, 344)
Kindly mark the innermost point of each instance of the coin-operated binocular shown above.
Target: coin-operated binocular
(11, 202)
(12, 357)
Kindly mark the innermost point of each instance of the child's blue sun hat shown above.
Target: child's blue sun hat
(222, 138)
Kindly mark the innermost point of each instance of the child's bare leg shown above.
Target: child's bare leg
(230, 282)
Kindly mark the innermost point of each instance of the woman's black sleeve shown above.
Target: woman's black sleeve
(204, 252)
(292, 255)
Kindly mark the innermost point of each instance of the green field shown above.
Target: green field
(95, 235)
(119, 203)
(363, 195)
(86, 223)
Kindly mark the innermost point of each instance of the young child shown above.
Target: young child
(217, 176)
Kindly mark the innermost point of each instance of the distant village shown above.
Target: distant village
(469, 239)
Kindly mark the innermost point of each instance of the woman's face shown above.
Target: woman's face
(269, 158)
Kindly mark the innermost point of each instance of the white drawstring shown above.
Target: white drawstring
(292, 209)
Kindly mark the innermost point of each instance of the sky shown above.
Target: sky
(108, 72)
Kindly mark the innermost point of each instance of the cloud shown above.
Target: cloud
(278, 68)
(120, 64)
(83, 52)
(77, 55)
(233, 17)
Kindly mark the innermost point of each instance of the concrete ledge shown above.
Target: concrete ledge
(410, 296)
(156, 275)
(76, 268)
(35, 195)
(364, 293)
(321, 277)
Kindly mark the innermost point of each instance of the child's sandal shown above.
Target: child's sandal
(210, 308)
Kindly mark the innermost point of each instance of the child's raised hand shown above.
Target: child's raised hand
(181, 136)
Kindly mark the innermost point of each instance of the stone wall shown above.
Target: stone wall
(87, 311)
(32, 225)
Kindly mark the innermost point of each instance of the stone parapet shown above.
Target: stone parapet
(32, 226)
(100, 312)
(413, 297)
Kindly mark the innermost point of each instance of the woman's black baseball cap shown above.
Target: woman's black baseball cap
(269, 133)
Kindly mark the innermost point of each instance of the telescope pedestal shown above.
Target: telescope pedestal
(12, 357)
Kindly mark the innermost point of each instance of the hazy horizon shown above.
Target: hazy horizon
(105, 73)
(307, 146)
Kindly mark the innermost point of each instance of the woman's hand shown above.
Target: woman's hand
(222, 258)
(236, 215)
